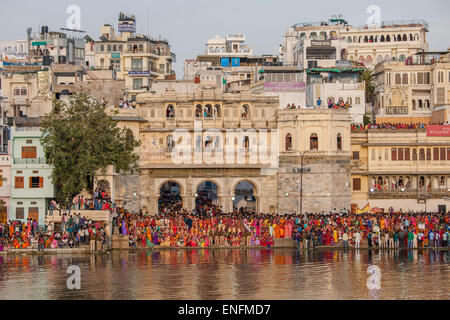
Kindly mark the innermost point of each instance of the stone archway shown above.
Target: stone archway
(245, 193)
(207, 195)
(170, 196)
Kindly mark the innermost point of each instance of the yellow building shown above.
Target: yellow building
(405, 169)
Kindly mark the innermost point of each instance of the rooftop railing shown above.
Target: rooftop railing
(30, 161)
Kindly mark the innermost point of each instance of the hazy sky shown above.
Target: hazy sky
(188, 24)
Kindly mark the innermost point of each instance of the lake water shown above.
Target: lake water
(229, 274)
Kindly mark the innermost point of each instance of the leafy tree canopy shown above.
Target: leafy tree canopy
(80, 140)
(368, 77)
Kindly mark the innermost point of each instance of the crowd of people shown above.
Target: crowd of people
(74, 232)
(244, 228)
(388, 126)
(100, 201)
(126, 104)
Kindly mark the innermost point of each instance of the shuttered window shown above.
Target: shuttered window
(407, 154)
(394, 154)
(19, 183)
(356, 184)
(20, 213)
(28, 152)
(436, 154)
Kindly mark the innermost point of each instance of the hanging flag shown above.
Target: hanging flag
(224, 81)
(364, 210)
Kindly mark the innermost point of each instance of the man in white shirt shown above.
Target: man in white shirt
(357, 237)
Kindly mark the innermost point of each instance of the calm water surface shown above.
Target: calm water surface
(229, 274)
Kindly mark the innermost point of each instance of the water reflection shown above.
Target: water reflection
(229, 274)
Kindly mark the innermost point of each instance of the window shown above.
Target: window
(288, 142)
(394, 154)
(407, 154)
(398, 78)
(18, 183)
(28, 152)
(20, 213)
(17, 92)
(137, 83)
(23, 92)
(436, 154)
(339, 142)
(356, 184)
(36, 182)
(33, 213)
(414, 155)
(400, 154)
(1, 180)
(448, 154)
(136, 65)
(442, 154)
(428, 154)
(422, 155)
(314, 142)
(355, 155)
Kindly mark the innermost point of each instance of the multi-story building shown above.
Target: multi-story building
(409, 92)
(405, 169)
(31, 187)
(58, 47)
(137, 59)
(225, 147)
(14, 50)
(27, 91)
(5, 175)
(228, 63)
(392, 40)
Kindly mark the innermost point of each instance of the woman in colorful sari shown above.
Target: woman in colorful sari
(124, 228)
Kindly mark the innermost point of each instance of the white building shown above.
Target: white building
(392, 40)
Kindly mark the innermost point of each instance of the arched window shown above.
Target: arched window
(399, 38)
(362, 60)
(388, 38)
(382, 39)
(115, 47)
(109, 48)
(414, 154)
(402, 57)
(422, 154)
(245, 111)
(405, 38)
(420, 104)
(371, 39)
(355, 39)
(216, 111)
(411, 38)
(398, 78)
(427, 104)
(246, 142)
(380, 59)
(387, 58)
(313, 35)
(366, 39)
(349, 39)
(288, 142)
(198, 111)
(414, 105)
(314, 142)
(208, 111)
(339, 142)
(428, 154)
(170, 111)
(369, 60)
(405, 78)
(170, 143)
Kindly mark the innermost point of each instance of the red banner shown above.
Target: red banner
(438, 131)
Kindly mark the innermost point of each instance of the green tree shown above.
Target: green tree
(368, 77)
(366, 120)
(80, 141)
